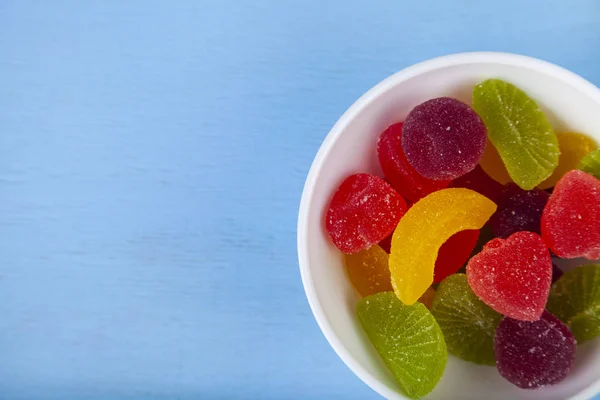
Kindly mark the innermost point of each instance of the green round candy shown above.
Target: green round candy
(468, 324)
(408, 340)
(575, 300)
(590, 163)
(519, 130)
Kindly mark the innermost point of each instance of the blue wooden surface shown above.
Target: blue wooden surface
(152, 157)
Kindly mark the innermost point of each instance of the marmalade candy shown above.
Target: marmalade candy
(518, 130)
(443, 138)
(571, 219)
(363, 211)
(424, 229)
(513, 275)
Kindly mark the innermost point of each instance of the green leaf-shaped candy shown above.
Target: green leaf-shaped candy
(408, 340)
(590, 163)
(519, 130)
(575, 300)
(468, 323)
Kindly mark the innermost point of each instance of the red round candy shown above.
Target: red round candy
(443, 138)
(364, 210)
(454, 254)
(513, 275)
(533, 354)
(480, 182)
(571, 219)
(398, 171)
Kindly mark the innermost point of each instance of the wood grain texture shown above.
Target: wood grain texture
(152, 157)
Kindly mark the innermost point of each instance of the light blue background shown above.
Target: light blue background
(152, 157)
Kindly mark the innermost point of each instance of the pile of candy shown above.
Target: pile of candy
(491, 189)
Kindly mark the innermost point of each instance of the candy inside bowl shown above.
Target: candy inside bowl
(569, 103)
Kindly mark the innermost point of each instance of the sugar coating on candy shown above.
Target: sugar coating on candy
(513, 275)
(575, 300)
(533, 354)
(519, 210)
(468, 323)
(425, 227)
(454, 254)
(368, 271)
(407, 338)
(493, 165)
(480, 182)
(398, 171)
(519, 131)
(364, 210)
(557, 273)
(427, 298)
(443, 138)
(571, 219)
(573, 147)
(590, 163)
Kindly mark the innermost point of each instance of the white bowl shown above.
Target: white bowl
(571, 103)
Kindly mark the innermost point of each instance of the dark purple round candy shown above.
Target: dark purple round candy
(532, 354)
(443, 138)
(518, 210)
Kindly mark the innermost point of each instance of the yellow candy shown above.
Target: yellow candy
(424, 229)
(493, 165)
(368, 271)
(573, 146)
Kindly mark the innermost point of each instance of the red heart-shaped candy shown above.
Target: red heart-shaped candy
(571, 219)
(513, 275)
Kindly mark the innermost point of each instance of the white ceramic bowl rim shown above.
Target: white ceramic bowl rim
(544, 67)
